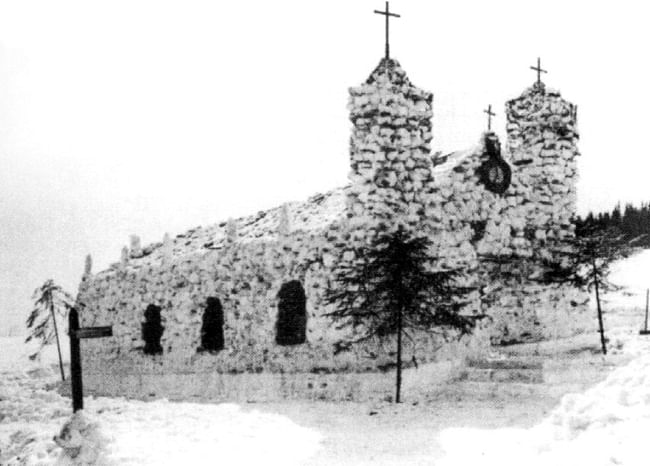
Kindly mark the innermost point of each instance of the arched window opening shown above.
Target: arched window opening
(152, 330)
(291, 326)
(212, 326)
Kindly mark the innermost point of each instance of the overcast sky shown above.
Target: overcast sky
(142, 117)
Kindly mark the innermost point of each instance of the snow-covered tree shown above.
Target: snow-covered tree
(392, 287)
(50, 301)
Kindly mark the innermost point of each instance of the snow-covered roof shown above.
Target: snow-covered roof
(314, 214)
(442, 164)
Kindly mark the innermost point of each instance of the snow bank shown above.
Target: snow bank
(632, 273)
(30, 415)
(606, 425)
(38, 428)
(161, 432)
(82, 442)
(117, 432)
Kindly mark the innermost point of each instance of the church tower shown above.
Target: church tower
(542, 142)
(389, 147)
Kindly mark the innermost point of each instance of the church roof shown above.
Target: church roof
(313, 215)
(442, 164)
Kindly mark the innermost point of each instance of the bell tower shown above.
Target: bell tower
(389, 147)
(543, 146)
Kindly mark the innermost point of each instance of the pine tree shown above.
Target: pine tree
(616, 216)
(391, 288)
(50, 300)
(585, 262)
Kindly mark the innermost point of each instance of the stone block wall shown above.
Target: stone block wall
(542, 141)
(471, 220)
(493, 234)
(245, 275)
(390, 164)
(267, 386)
(484, 231)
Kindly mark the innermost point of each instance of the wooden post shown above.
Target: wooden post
(76, 334)
(601, 326)
(58, 343)
(645, 330)
(398, 380)
(647, 301)
(75, 362)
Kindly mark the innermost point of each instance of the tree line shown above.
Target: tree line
(632, 222)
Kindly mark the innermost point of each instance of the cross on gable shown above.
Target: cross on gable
(490, 114)
(539, 70)
(387, 14)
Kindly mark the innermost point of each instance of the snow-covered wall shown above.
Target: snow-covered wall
(390, 175)
(543, 143)
(490, 212)
(246, 277)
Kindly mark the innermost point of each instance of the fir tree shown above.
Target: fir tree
(391, 288)
(585, 262)
(50, 300)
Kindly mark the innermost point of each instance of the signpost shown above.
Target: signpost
(645, 330)
(76, 334)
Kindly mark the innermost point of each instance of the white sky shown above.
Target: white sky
(142, 117)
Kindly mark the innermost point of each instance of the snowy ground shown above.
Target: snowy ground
(135, 432)
(590, 410)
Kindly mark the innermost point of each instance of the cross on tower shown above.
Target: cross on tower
(539, 70)
(490, 114)
(387, 14)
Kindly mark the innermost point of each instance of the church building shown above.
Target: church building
(236, 310)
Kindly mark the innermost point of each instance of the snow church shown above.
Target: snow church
(236, 310)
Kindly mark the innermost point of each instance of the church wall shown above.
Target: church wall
(543, 143)
(492, 234)
(496, 237)
(246, 278)
(267, 386)
(390, 174)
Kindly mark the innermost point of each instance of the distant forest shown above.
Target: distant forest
(633, 222)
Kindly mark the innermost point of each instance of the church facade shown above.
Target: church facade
(224, 310)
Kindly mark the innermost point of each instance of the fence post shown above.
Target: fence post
(75, 362)
(647, 301)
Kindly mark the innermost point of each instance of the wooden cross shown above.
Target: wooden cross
(387, 14)
(490, 114)
(76, 334)
(539, 70)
